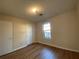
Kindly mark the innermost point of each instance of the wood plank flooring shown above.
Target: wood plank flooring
(40, 51)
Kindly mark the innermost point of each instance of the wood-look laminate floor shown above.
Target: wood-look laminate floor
(40, 51)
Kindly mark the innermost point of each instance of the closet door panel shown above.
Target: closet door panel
(19, 35)
(5, 37)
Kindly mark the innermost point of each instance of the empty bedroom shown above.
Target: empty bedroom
(39, 29)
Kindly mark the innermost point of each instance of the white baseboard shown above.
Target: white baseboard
(61, 47)
(66, 48)
(13, 50)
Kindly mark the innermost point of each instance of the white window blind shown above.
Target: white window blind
(47, 30)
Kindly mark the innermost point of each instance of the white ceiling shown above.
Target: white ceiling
(20, 8)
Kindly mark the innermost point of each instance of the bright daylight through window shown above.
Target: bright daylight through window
(46, 30)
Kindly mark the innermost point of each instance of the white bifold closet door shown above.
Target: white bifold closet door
(5, 37)
(22, 35)
(19, 40)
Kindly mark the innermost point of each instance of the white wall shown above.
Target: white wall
(64, 31)
(23, 32)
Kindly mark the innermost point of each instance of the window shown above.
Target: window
(46, 30)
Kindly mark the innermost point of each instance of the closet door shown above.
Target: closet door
(22, 35)
(5, 37)
(19, 36)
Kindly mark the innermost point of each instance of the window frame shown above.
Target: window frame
(43, 32)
